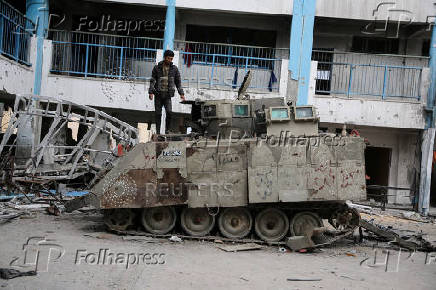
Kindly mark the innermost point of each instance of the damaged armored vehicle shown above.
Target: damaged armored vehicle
(249, 166)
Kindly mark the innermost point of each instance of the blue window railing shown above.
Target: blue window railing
(223, 66)
(15, 33)
(367, 75)
(213, 73)
(101, 55)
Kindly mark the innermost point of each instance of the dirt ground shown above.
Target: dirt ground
(193, 264)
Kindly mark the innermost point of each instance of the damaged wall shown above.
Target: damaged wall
(377, 113)
(17, 78)
(405, 160)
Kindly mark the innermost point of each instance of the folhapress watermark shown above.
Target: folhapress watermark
(38, 253)
(107, 257)
(107, 23)
(284, 139)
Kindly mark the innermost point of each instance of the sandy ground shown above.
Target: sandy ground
(194, 264)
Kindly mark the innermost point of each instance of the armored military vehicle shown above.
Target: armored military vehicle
(249, 165)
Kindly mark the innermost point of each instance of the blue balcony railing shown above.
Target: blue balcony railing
(15, 33)
(223, 66)
(367, 75)
(101, 55)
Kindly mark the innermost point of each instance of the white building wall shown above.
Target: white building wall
(352, 9)
(16, 78)
(378, 113)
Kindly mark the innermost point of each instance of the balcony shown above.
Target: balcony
(223, 66)
(93, 55)
(368, 75)
(15, 34)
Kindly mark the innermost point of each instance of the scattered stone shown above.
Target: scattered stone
(175, 239)
(297, 243)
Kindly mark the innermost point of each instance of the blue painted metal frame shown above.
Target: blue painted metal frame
(15, 33)
(228, 64)
(384, 94)
(214, 65)
(119, 68)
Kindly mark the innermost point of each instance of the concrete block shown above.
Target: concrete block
(299, 242)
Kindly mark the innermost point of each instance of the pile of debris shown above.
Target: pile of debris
(395, 228)
(27, 206)
(60, 143)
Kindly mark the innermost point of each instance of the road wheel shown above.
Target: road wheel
(159, 220)
(197, 222)
(235, 222)
(271, 225)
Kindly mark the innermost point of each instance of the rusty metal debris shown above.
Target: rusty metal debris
(51, 141)
(390, 236)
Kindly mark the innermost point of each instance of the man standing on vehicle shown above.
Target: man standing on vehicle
(164, 78)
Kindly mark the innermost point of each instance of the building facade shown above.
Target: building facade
(370, 63)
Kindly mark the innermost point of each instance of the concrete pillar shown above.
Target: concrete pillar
(303, 18)
(170, 25)
(428, 134)
(430, 120)
(38, 12)
(426, 169)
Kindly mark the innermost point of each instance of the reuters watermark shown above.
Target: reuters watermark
(106, 257)
(180, 189)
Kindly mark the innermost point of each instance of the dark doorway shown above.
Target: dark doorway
(377, 165)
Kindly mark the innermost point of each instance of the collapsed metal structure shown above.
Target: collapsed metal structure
(40, 149)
